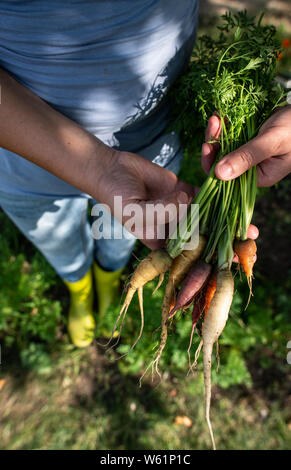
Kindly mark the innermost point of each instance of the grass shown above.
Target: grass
(85, 404)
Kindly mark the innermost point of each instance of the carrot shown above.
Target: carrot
(198, 307)
(155, 264)
(201, 305)
(210, 291)
(194, 281)
(178, 271)
(246, 251)
(172, 305)
(213, 326)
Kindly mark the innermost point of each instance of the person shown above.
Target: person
(83, 116)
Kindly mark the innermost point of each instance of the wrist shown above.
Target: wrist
(36, 131)
(98, 166)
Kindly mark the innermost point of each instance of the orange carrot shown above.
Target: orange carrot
(246, 252)
(210, 291)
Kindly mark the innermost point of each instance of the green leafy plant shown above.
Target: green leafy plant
(27, 313)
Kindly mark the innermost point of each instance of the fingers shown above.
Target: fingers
(253, 232)
(191, 191)
(273, 169)
(169, 208)
(153, 244)
(254, 152)
(208, 153)
(149, 220)
(213, 128)
(269, 150)
(209, 150)
(154, 231)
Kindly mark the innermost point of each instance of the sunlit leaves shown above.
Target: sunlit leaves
(233, 75)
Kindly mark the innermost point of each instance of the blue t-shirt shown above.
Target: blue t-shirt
(106, 64)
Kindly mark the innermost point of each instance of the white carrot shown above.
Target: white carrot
(155, 264)
(212, 328)
(179, 269)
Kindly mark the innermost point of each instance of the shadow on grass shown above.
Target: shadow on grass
(97, 389)
(131, 409)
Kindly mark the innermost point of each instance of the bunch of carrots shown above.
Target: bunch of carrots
(233, 75)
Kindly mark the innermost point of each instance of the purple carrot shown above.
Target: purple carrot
(193, 283)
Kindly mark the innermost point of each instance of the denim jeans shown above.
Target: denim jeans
(59, 227)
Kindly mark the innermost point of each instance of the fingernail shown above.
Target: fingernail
(224, 169)
(183, 198)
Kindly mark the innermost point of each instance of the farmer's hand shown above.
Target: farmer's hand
(142, 185)
(270, 150)
(209, 152)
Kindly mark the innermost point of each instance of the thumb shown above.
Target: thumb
(248, 155)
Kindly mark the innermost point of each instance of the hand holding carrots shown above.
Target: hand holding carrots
(142, 182)
(145, 184)
(270, 150)
(209, 151)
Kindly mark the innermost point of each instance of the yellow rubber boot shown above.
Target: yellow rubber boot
(107, 287)
(81, 323)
